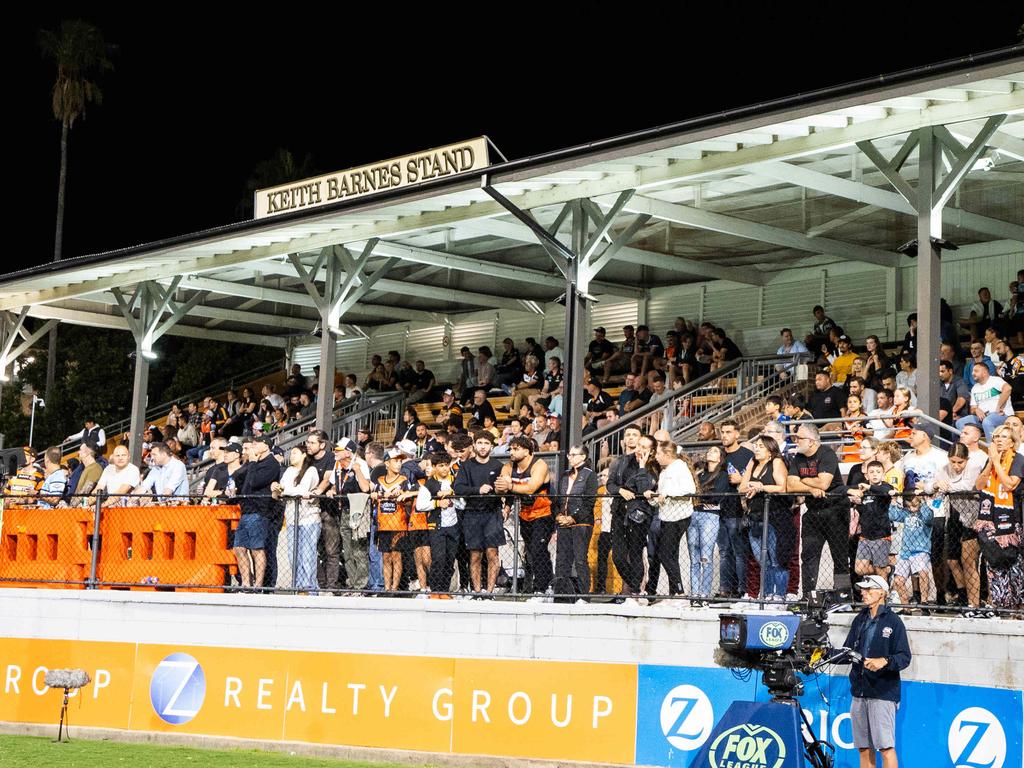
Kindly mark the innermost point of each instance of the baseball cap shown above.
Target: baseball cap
(873, 582)
(927, 428)
(395, 453)
(448, 392)
(345, 444)
(553, 415)
(234, 448)
(845, 338)
(600, 329)
(408, 447)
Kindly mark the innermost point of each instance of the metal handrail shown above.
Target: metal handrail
(118, 427)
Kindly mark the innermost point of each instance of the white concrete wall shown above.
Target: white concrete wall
(946, 650)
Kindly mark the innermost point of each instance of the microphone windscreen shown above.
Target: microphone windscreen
(67, 678)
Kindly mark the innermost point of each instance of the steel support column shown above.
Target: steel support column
(577, 285)
(929, 273)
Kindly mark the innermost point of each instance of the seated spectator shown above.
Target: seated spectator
(486, 373)
(405, 376)
(423, 384)
(167, 479)
(529, 383)
(648, 348)
(907, 377)
(91, 433)
(954, 390)
(822, 322)
(378, 380)
(509, 367)
(622, 357)
(889, 382)
(552, 387)
(977, 356)
(118, 478)
(855, 386)
(841, 362)
(599, 351)
(725, 349)
(992, 337)
(899, 421)
(406, 429)
(551, 349)
(948, 353)
(481, 409)
(877, 362)
(789, 345)
(268, 393)
(990, 401)
(85, 476)
(824, 401)
(351, 386)
(542, 432)
(55, 479)
(307, 405)
(984, 313)
(595, 402)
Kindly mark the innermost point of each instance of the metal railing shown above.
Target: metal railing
(156, 411)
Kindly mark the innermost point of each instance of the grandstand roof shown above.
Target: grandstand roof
(736, 196)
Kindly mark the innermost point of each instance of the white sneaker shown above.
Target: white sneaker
(894, 596)
(539, 599)
(580, 601)
(630, 601)
(422, 596)
(414, 585)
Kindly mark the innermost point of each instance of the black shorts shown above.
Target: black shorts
(483, 530)
(418, 539)
(392, 541)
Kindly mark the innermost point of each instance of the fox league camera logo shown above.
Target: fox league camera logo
(177, 688)
(749, 746)
(687, 717)
(977, 740)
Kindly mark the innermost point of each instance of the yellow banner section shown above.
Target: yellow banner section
(534, 709)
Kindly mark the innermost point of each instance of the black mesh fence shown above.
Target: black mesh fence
(937, 552)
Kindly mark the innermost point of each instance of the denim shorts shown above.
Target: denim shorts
(252, 532)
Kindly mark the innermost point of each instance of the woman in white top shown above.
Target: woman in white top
(674, 499)
(960, 475)
(297, 483)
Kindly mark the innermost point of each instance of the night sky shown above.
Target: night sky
(196, 100)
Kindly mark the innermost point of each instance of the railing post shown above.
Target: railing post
(764, 548)
(516, 506)
(97, 514)
(295, 545)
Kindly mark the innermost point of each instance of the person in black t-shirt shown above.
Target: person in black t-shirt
(622, 357)
(733, 543)
(814, 473)
(824, 402)
(422, 383)
(595, 403)
(648, 347)
(598, 353)
(725, 349)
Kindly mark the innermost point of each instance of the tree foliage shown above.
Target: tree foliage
(81, 54)
(280, 168)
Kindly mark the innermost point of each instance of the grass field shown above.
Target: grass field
(36, 752)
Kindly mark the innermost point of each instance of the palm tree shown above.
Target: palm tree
(80, 53)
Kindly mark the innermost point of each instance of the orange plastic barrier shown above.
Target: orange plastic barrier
(154, 546)
(45, 545)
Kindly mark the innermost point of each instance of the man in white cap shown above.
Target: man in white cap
(350, 475)
(879, 638)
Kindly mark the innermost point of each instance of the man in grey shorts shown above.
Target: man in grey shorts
(879, 636)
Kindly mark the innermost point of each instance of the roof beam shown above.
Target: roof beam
(645, 179)
(882, 198)
(100, 320)
(750, 230)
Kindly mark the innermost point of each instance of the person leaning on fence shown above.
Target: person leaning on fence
(527, 477)
(391, 494)
(871, 498)
(301, 516)
(915, 547)
(435, 500)
(482, 526)
(999, 520)
(167, 478)
(959, 476)
(764, 482)
(349, 475)
(254, 480)
(674, 500)
(574, 516)
(814, 474)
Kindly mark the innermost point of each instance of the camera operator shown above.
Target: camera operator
(878, 635)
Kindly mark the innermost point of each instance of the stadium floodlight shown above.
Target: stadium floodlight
(149, 354)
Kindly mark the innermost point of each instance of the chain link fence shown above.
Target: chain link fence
(938, 552)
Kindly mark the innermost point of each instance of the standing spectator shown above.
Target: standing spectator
(527, 476)
(302, 526)
(435, 499)
(910, 339)
(814, 473)
(467, 372)
(391, 492)
(872, 498)
(215, 482)
(254, 480)
(714, 483)
(876, 363)
(990, 401)
(999, 519)
(55, 479)
(958, 476)
(348, 475)
(577, 491)
(764, 482)
(674, 500)
(915, 548)
(481, 522)
(91, 433)
(329, 543)
(879, 637)
(629, 476)
(733, 549)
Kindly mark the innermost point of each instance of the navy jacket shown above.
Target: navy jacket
(889, 642)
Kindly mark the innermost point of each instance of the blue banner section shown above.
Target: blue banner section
(937, 726)
(754, 734)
